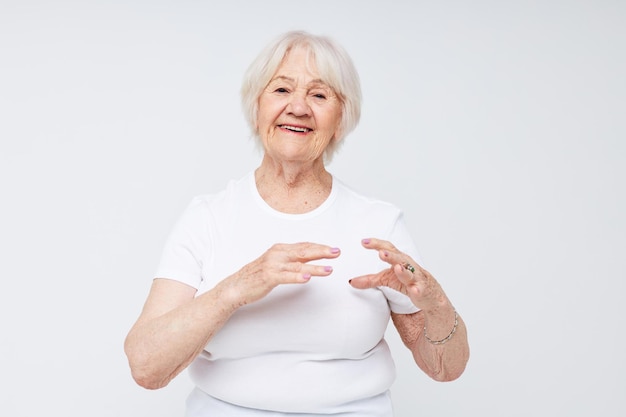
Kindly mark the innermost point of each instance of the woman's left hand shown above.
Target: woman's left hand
(442, 362)
(404, 275)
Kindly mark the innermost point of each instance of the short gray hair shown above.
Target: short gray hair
(335, 68)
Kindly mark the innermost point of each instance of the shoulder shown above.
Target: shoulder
(356, 200)
(235, 189)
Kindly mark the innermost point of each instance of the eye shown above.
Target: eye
(320, 96)
(281, 90)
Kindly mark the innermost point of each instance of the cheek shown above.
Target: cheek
(334, 122)
(267, 113)
(262, 121)
(261, 111)
(334, 115)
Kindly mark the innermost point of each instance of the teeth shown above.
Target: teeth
(295, 128)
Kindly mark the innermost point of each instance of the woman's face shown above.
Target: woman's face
(298, 113)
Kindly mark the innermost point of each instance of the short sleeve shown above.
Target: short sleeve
(188, 245)
(401, 239)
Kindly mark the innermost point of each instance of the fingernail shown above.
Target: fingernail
(328, 268)
(306, 277)
(365, 241)
(334, 250)
(349, 281)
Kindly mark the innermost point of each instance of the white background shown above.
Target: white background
(497, 125)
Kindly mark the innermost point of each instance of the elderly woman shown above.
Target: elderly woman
(276, 292)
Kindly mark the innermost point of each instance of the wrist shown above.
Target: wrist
(440, 324)
(228, 296)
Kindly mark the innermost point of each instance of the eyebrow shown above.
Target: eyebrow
(312, 82)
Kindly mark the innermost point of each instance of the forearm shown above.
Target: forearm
(442, 362)
(175, 326)
(159, 348)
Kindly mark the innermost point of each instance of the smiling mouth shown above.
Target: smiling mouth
(298, 129)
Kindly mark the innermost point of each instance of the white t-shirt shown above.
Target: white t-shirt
(310, 348)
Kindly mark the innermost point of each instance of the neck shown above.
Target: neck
(293, 187)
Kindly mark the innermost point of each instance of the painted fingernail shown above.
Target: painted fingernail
(334, 250)
(328, 268)
(365, 241)
(306, 277)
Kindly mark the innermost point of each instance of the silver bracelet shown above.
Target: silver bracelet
(448, 337)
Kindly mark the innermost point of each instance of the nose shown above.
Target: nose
(298, 105)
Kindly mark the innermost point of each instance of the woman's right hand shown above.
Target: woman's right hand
(281, 264)
(175, 325)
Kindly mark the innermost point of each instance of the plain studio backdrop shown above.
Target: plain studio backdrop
(497, 126)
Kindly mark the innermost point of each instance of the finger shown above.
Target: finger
(401, 259)
(387, 252)
(378, 244)
(364, 282)
(404, 275)
(307, 251)
(309, 270)
(394, 257)
(417, 284)
(382, 279)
